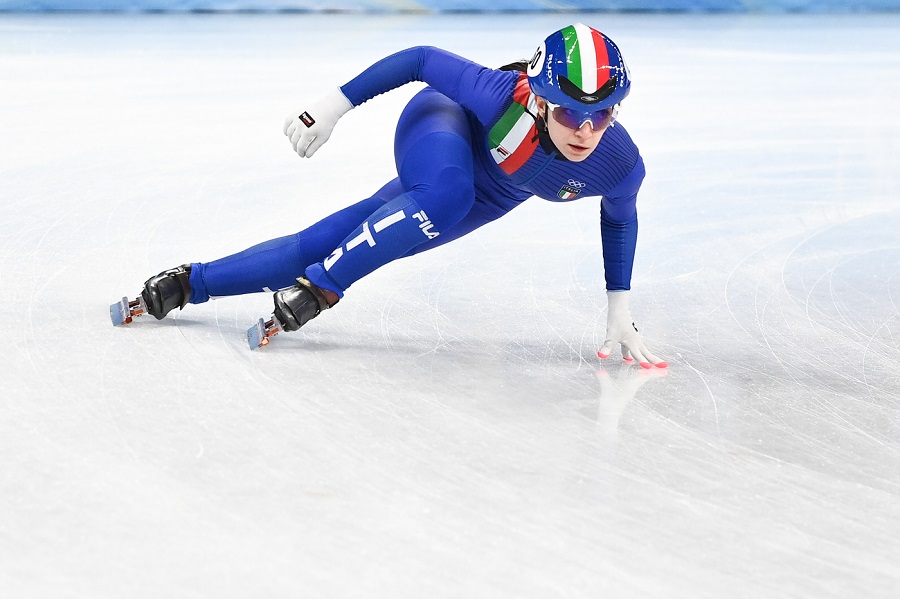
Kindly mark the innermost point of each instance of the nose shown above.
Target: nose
(585, 130)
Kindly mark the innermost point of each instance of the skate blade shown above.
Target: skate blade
(124, 311)
(260, 333)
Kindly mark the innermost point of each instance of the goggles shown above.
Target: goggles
(575, 119)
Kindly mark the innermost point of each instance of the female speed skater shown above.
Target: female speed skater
(470, 147)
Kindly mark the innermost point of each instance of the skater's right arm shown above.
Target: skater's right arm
(480, 89)
(485, 92)
(309, 128)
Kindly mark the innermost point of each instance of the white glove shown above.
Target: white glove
(309, 129)
(620, 328)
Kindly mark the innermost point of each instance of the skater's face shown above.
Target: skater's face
(574, 136)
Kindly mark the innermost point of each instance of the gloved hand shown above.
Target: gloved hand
(309, 129)
(620, 328)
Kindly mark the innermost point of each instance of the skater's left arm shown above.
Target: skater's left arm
(619, 226)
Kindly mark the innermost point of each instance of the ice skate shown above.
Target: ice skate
(162, 293)
(294, 307)
(168, 290)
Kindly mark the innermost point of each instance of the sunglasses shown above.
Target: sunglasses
(575, 119)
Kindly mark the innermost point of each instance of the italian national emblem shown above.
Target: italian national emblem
(571, 189)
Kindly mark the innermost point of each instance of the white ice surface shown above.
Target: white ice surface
(447, 430)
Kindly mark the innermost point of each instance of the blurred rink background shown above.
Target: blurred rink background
(447, 430)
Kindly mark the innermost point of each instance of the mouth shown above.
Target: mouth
(577, 148)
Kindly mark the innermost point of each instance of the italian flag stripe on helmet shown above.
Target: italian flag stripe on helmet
(586, 56)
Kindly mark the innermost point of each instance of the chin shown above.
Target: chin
(575, 156)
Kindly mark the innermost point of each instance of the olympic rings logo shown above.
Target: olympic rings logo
(575, 184)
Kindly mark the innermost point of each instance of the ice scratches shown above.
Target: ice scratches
(821, 304)
(412, 310)
(712, 396)
(536, 283)
(441, 323)
(826, 321)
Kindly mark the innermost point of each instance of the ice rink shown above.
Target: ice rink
(448, 430)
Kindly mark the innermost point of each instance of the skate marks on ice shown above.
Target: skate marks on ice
(836, 297)
(799, 358)
(422, 438)
(824, 309)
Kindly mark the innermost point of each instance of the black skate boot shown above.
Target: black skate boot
(297, 305)
(168, 290)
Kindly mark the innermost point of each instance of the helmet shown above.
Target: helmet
(579, 68)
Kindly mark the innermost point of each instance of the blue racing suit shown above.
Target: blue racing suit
(469, 148)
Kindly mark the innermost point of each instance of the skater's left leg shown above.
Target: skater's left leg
(275, 264)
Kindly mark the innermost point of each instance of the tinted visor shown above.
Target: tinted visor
(574, 119)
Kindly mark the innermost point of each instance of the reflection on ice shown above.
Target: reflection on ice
(616, 392)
